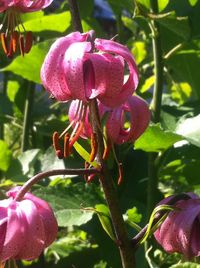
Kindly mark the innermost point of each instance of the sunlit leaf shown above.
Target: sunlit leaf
(5, 156)
(190, 130)
(193, 2)
(155, 139)
(69, 203)
(181, 92)
(29, 66)
(105, 219)
(139, 51)
(148, 84)
(84, 154)
(56, 22)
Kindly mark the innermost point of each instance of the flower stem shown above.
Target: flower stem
(35, 179)
(126, 251)
(156, 106)
(125, 248)
(27, 114)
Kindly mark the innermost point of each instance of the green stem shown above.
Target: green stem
(124, 244)
(27, 114)
(156, 105)
(5, 82)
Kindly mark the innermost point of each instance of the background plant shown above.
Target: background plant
(165, 160)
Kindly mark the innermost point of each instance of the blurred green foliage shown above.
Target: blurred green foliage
(82, 241)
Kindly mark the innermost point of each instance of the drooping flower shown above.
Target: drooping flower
(180, 230)
(26, 227)
(81, 67)
(11, 38)
(135, 113)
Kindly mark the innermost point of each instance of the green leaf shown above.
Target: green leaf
(56, 22)
(68, 203)
(118, 5)
(12, 89)
(105, 219)
(186, 265)
(84, 154)
(181, 92)
(162, 4)
(130, 24)
(27, 160)
(5, 156)
(50, 161)
(73, 242)
(133, 215)
(193, 2)
(29, 66)
(33, 15)
(178, 25)
(146, 3)
(155, 139)
(190, 130)
(139, 51)
(184, 65)
(147, 84)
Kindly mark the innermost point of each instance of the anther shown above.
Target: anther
(14, 40)
(56, 145)
(28, 42)
(66, 145)
(120, 170)
(4, 43)
(94, 146)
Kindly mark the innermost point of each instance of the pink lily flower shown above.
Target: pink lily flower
(24, 5)
(78, 67)
(138, 116)
(26, 227)
(180, 230)
(11, 39)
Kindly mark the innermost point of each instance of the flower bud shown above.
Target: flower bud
(27, 227)
(180, 230)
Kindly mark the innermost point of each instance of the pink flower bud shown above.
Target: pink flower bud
(26, 227)
(180, 230)
(77, 67)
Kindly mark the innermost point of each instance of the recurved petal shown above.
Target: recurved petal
(34, 231)
(139, 116)
(114, 79)
(118, 49)
(114, 125)
(3, 220)
(53, 75)
(95, 72)
(136, 111)
(15, 232)
(30, 5)
(73, 69)
(47, 216)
